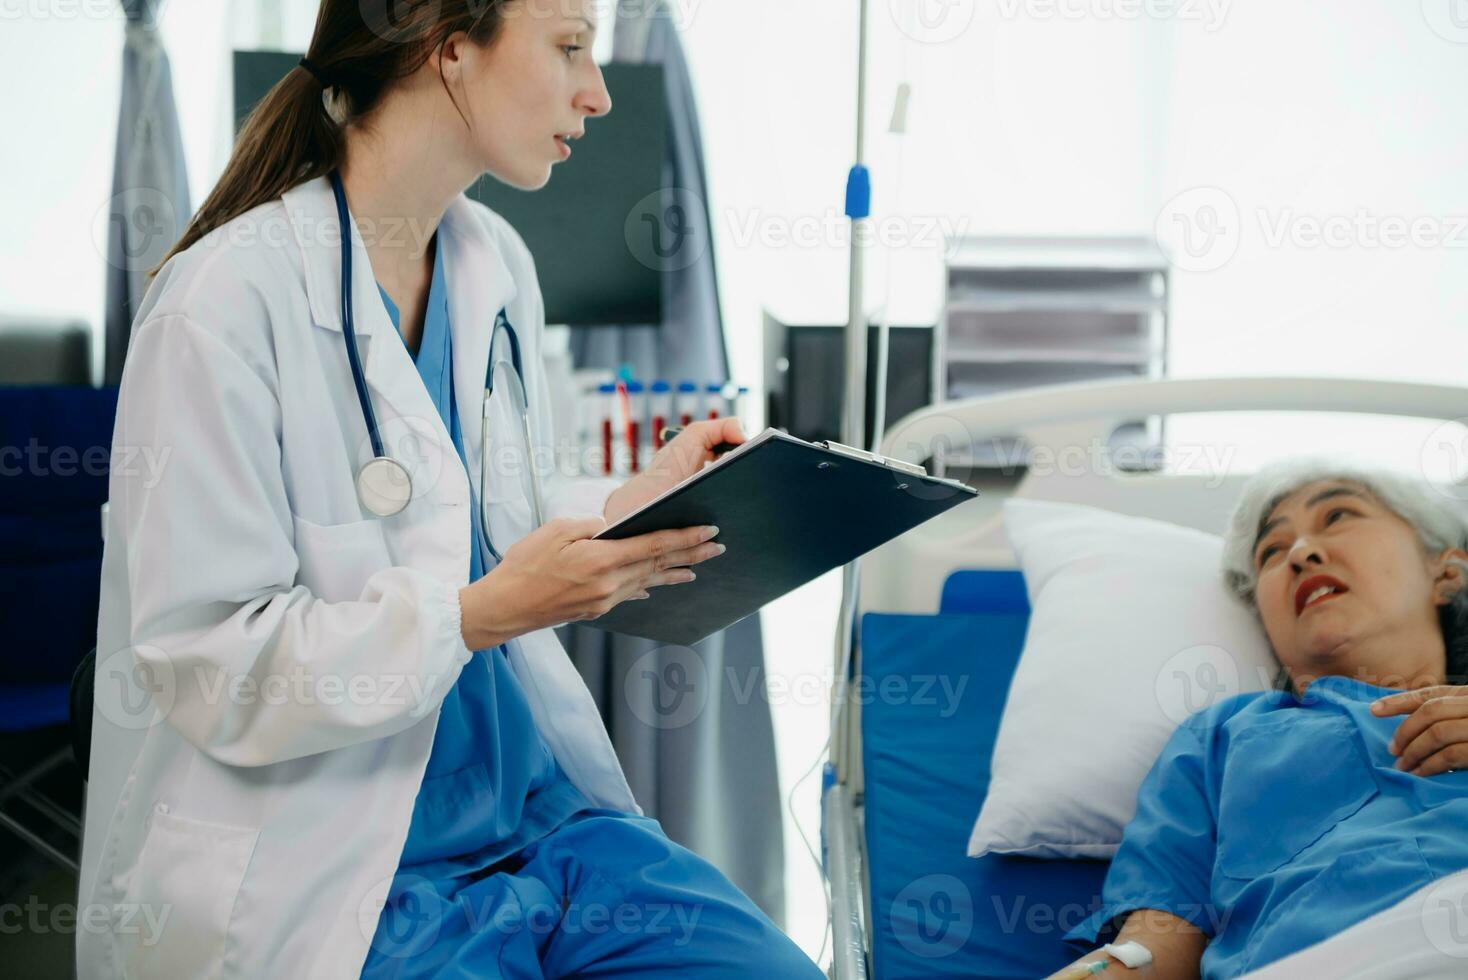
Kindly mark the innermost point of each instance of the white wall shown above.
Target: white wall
(1294, 114)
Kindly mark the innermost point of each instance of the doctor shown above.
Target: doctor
(334, 733)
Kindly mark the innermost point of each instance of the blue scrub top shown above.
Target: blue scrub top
(1273, 822)
(492, 784)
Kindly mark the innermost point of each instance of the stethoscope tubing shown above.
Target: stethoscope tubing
(359, 379)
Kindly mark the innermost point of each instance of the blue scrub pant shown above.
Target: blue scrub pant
(604, 895)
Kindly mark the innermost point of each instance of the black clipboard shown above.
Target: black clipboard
(788, 511)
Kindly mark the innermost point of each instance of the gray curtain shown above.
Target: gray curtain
(150, 187)
(691, 725)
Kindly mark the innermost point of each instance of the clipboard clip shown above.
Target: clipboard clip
(912, 469)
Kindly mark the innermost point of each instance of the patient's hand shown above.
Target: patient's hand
(1434, 737)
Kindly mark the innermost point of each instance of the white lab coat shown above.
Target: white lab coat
(245, 818)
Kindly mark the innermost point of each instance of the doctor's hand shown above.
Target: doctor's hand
(674, 463)
(558, 574)
(1434, 736)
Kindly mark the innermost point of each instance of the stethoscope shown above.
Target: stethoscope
(384, 485)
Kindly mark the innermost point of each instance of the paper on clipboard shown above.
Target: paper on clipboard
(787, 511)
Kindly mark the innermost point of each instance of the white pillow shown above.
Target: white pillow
(1132, 630)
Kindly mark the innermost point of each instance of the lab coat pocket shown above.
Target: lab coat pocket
(1285, 785)
(181, 897)
(336, 560)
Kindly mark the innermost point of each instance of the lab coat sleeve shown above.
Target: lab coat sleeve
(248, 666)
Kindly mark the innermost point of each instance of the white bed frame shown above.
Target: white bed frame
(907, 574)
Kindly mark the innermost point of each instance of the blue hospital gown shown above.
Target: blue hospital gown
(1273, 822)
(508, 870)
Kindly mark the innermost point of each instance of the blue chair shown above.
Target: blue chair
(55, 456)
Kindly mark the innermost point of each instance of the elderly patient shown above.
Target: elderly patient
(1273, 821)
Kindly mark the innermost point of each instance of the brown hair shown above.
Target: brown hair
(361, 47)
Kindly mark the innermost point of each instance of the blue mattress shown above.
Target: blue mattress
(932, 692)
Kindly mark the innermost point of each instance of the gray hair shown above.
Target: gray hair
(1438, 524)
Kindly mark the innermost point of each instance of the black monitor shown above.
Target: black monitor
(805, 375)
(581, 226)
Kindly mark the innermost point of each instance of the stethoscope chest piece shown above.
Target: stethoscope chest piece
(384, 486)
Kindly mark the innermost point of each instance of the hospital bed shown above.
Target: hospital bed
(908, 772)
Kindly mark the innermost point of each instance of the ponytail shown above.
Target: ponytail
(292, 136)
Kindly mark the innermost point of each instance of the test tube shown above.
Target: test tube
(713, 398)
(636, 416)
(662, 410)
(608, 394)
(741, 406)
(687, 402)
(728, 393)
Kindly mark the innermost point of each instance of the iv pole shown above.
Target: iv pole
(840, 785)
(858, 210)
